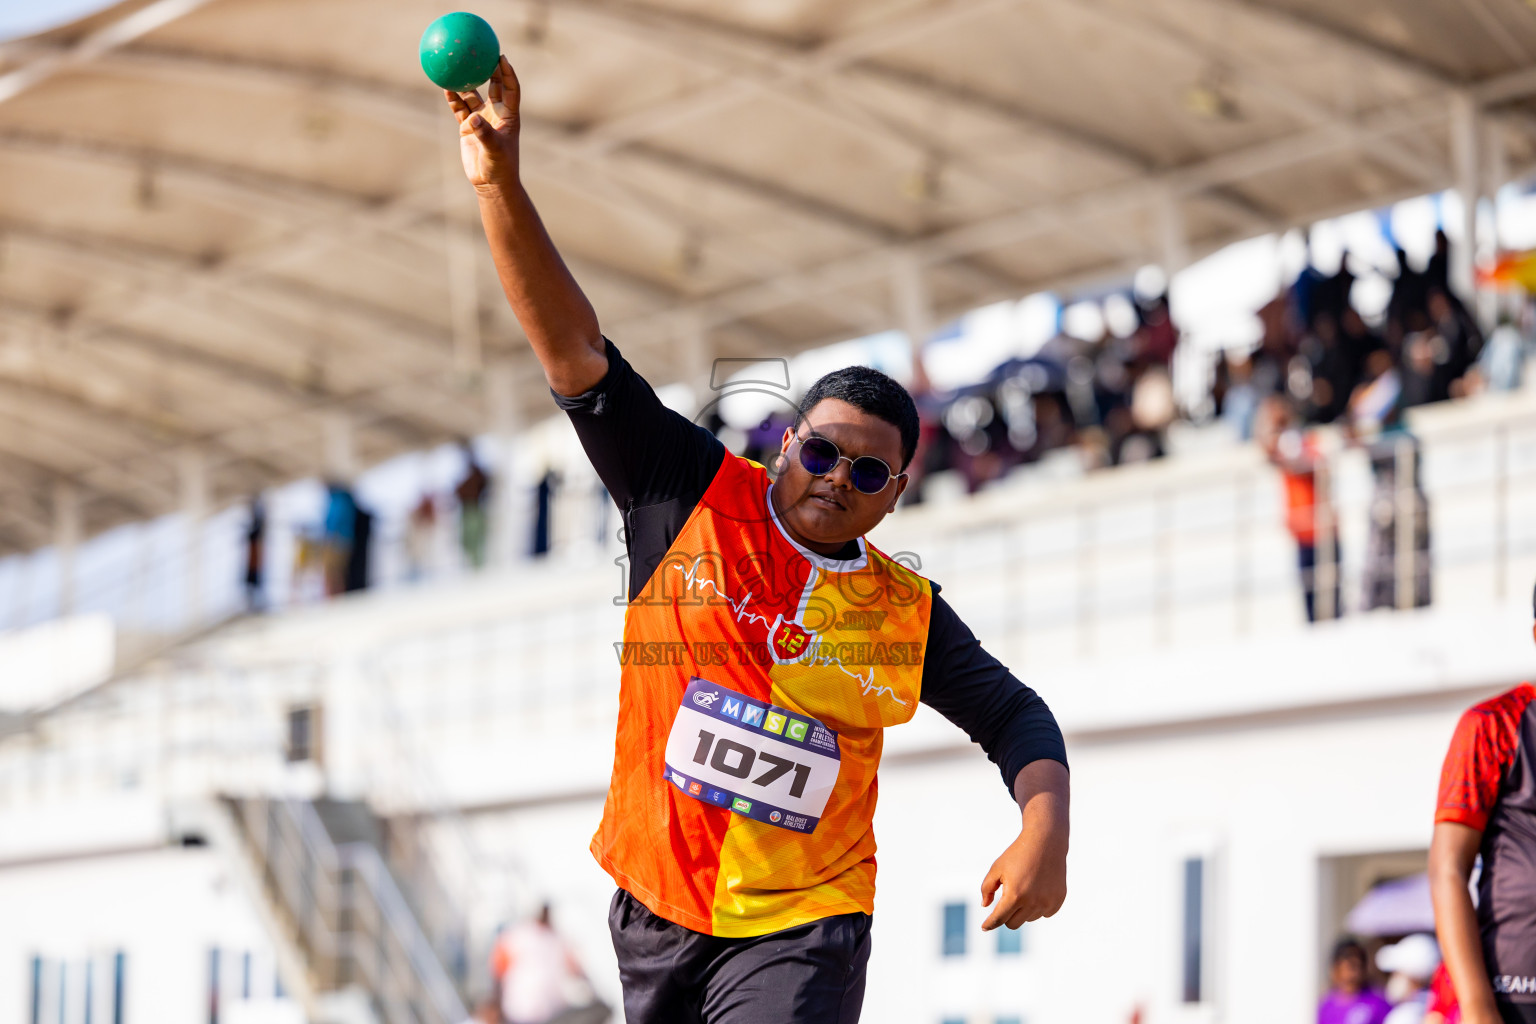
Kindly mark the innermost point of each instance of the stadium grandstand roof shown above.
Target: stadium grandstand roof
(224, 221)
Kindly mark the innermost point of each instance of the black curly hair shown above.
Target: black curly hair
(871, 391)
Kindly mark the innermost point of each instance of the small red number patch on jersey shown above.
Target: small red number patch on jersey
(790, 640)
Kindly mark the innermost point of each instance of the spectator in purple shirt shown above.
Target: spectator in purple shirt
(1349, 1001)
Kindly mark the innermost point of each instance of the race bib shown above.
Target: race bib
(761, 761)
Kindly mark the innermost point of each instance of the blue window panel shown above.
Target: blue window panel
(1194, 933)
(37, 990)
(213, 985)
(1009, 1020)
(954, 929)
(119, 972)
(1010, 941)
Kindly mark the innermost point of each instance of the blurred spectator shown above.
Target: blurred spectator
(534, 969)
(1152, 410)
(1409, 966)
(1397, 492)
(356, 576)
(1330, 369)
(471, 492)
(1349, 999)
(543, 510)
(421, 539)
(339, 529)
(1308, 516)
(1442, 1007)
(255, 556)
(1437, 274)
(1374, 421)
(1503, 356)
(1157, 337)
(1463, 342)
(1236, 397)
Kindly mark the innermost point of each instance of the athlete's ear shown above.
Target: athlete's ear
(901, 486)
(779, 464)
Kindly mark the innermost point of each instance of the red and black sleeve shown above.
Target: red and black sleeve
(1482, 750)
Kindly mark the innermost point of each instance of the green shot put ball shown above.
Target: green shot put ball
(459, 51)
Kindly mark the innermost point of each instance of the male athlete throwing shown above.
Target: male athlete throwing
(766, 647)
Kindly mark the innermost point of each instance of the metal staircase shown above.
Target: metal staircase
(322, 869)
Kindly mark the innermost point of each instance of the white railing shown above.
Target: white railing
(1188, 551)
(349, 915)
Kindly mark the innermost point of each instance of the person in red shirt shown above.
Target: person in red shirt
(1487, 807)
(1442, 1007)
(1296, 454)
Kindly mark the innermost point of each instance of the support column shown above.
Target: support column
(694, 353)
(66, 524)
(340, 460)
(1466, 156)
(1172, 233)
(1495, 176)
(192, 469)
(501, 405)
(912, 298)
(913, 301)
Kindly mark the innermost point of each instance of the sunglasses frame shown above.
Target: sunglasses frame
(890, 474)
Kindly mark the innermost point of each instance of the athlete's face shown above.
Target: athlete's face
(825, 512)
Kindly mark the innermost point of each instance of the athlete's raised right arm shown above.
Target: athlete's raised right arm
(556, 316)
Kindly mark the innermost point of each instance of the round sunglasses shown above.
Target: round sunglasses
(820, 456)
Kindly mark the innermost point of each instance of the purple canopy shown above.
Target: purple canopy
(1398, 907)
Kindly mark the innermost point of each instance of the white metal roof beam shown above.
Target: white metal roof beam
(116, 34)
(415, 347)
(404, 216)
(777, 67)
(296, 398)
(679, 34)
(37, 427)
(1153, 28)
(772, 65)
(1359, 47)
(1346, 42)
(161, 429)
(1117, 200)
(153, 434)
(1031, 123)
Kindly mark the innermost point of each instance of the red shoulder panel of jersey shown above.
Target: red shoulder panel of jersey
(1482, 749)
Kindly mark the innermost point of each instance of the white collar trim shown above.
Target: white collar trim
(819, 561)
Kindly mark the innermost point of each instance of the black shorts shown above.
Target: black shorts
(1517, 1013)
(810, 974)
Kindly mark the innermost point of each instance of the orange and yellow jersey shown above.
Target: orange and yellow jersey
(757, 677)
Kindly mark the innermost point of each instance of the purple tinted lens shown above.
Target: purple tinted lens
(870, 475)
(818, 455)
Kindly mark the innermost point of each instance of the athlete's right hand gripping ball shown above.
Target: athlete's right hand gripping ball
(488, 131)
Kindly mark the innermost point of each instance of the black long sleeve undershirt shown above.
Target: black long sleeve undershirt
(656, 465)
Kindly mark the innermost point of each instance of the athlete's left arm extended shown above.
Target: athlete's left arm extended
(1018, 732)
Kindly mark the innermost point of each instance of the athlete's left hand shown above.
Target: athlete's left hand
(1032, 872)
